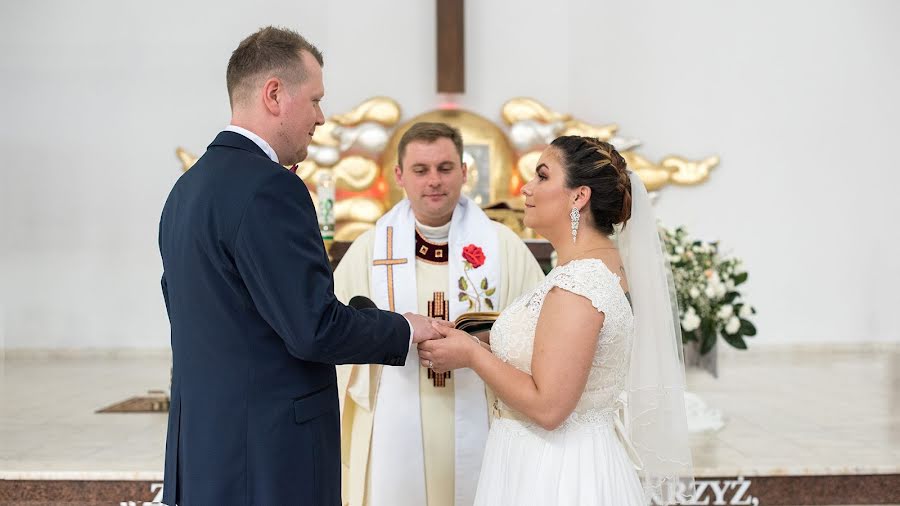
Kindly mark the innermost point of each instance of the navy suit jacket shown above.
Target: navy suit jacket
(256, 331)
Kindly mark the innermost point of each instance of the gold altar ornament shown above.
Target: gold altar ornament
(359, 150)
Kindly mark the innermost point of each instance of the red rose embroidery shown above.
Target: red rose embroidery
(474, 255)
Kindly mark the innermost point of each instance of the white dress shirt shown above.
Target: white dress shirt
(259, 141)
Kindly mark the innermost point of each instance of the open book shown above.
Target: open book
(476, 322)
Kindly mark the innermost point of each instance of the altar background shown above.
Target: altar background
(798, 98)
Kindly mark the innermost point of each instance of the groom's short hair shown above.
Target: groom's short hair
(271, 51)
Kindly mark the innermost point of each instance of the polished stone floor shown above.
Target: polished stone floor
(788, 411)
(800, 412)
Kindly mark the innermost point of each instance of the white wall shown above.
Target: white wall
(798, 98)
(801, 101)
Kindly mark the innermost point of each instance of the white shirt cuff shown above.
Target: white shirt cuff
(411, 332)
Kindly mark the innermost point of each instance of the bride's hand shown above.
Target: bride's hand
(484, 336)
(453, 352)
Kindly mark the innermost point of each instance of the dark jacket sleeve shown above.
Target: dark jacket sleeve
(282, 261)
(162, 280)
(165, 292)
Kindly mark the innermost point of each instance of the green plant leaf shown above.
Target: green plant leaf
(489, 304)
(463, 285)
(730, 297)
(708, 342)
(463, 296)
(687, 337)
(707, 327)
(736, 341)
(471, 304)
(490, 292)
(740, 278)
(747, 328)
(484, 284)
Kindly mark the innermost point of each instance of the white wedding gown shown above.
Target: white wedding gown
(584, 461)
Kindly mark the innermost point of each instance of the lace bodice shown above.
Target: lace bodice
(512, 336)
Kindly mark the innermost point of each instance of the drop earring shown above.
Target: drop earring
(575, 215)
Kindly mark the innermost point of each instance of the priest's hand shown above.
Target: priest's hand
(423, 329)
(455, 351)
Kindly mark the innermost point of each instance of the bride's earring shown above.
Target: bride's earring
(575, 215)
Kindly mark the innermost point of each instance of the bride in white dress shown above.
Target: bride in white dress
(587, 367)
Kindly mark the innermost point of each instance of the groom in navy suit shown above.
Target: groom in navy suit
(256, 329)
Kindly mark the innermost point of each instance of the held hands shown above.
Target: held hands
(423, 328)
(455, 351)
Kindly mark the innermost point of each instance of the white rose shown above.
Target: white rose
(734, 324)
(679, 250)
(725, 312)
(691, 321)
(674, 258)
(720, 290)
(710, 291)
(729, 285)
(746, 311)
(694, 292)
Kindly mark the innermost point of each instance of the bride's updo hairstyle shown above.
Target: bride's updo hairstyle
(596, 164)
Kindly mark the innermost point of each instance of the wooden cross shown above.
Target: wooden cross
(451, 53)
(390, 262)
(439, 308)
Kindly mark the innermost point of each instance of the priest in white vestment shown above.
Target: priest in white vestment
(410, 437)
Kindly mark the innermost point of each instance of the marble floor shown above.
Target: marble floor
(48, 428)
(788, 412)
(802, 412)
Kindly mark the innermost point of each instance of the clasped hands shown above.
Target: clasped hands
(442, 348)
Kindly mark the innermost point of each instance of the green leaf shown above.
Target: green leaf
(471, 304)
(736, 341)
(484, 284)
(709, 341)
(490, 292)
(489, 304)
(740, 278)
(463, 296)
(463, 285)
(747, 328)
(731, 296)
(687, 337)
(707, 327)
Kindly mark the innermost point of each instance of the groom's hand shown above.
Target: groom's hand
(422, 328)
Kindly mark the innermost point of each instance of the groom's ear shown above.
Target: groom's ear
(272, 92)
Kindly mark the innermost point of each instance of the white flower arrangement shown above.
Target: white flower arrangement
(706, 285)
